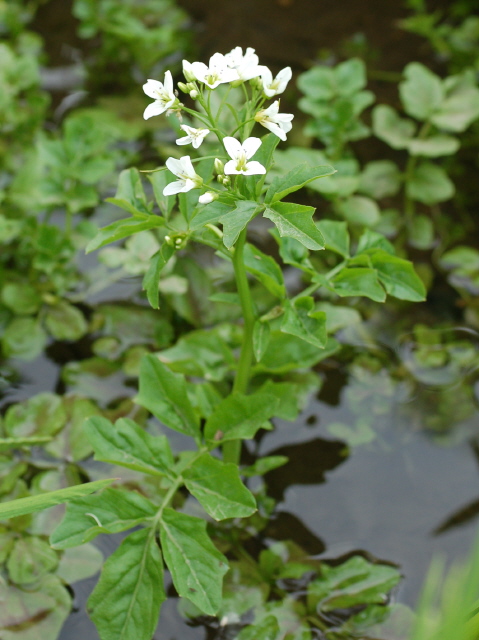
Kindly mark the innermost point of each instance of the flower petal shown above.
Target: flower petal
(154, 109)
(230, 168)
(185, 140)
(152, 87)
(175, 166)
(187, 167)
(174, 187)
(168, 83)
(233, 147)
(254, 168)
(199, 70)
(251, 146)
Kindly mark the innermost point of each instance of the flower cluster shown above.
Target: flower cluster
(234, 68)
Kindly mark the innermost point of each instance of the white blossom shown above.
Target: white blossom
(188, 71)
(193, 136)
(240, 154)
(188, 178)
(162, 93)
(277, 123)
(207, 197)
(278, 85)
(246, 65)
(217, 72)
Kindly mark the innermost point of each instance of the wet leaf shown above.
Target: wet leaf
(218, 488)
(109, 512)
(65, 322)
(127, 599)
(41, 415)
(128, 445)
(196, 566)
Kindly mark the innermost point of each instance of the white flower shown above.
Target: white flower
(277, 123)
(216, 73)
(240, 154)
(162, 93)
(188, 71)
(246, 65)
(194, 136)
(188, 179)
(278, 85)
(207, 197)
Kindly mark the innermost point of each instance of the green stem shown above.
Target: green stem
(232, 449)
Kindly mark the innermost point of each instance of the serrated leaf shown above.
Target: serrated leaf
(301, 320)
(294, 180)
(235, 221)
(32, 504)
(336, 236)
(398, 277)
(109, 512)
(210, 214)
(196, 566)
(122, 229)
(164, 394)
(354, 281)
(125, 603)
(239, 416)
(265, 269)
(151, 278)
(128, 445)
(218, 488)
(294, 220)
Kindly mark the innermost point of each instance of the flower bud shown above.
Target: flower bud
(183, 87)
(219, 166)
(193, 94)
(220, 177)
(226, 180)
(207, 197)
(188, 72)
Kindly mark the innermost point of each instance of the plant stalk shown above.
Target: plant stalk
(232, 449)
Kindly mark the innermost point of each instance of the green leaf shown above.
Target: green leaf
(30, 559)
(122, 229)
(218, 488)
(196, 566)
(461, 105)
(302, 321)
(23, 338)
(127, 599)
(434, 146)
(65, 322)
(421, 232)
(265, 269)
(210, 214)
(360, 210)
(235, 221)
(380, 179)
(21, 298)
(15, 443)
(353, 281)
(159, 180)
(373, 240)
(429, 184)
(41, 415)
(398, 277)
(111, 511)
(421, 92)
(151, 279)
(288, 353)
(294, 220)
(79, 563)
(32, 504)
(336, 236)
(261, 333)
(130, 446)
(164, 394)
(388, 126)
(239, 417)
(355, 582)
(294, 180)
(130, 195)
(31, 615)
